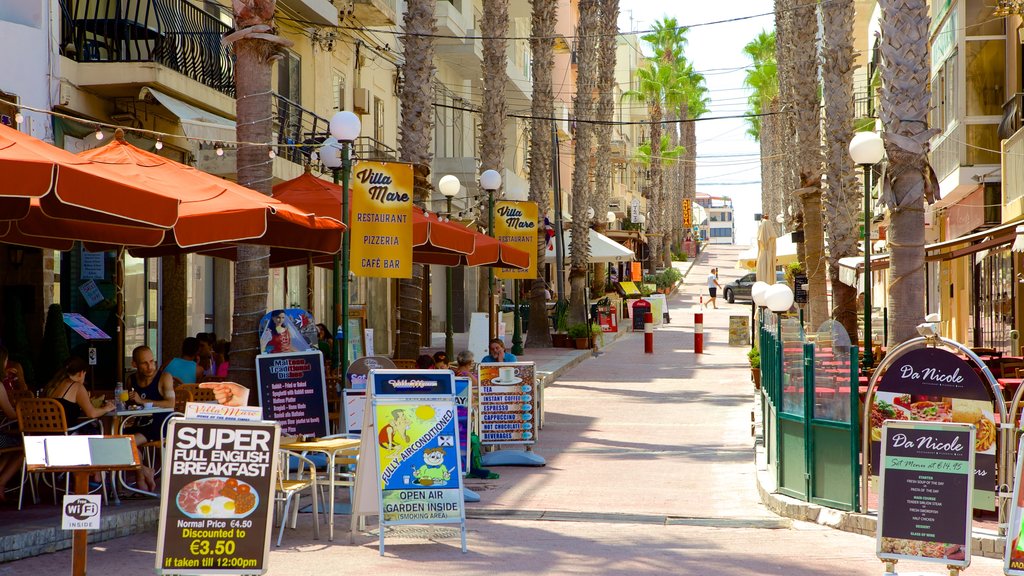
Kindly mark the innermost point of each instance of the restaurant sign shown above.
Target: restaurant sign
(515, 224)
(293, 392)
(924, 510)
(508, 404)
(217, 496)
(935, 385)
(381, 220)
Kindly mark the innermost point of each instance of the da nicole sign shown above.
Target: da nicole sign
(381, 220)
(515, 224)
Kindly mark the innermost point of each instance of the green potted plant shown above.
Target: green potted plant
(580, 334)
(560, 339)
(596, 334)
(754, 356)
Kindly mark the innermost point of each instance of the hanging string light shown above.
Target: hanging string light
(272, 154)
(220, 150)
(159, 144)
(1006, 8)
(99, 134)
(18, 118)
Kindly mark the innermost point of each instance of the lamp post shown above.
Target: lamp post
(336, 154)
(449, 186)
(490, 180)
(867, 149)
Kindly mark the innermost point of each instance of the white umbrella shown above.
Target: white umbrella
(766, 252)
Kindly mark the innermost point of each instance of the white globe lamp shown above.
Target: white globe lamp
(867, 148)
(757, 292)
(345, 126)
(490, 180)
(330, 153)
(449, 186)
(778, 298)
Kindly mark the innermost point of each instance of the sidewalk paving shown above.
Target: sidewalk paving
(650, 471)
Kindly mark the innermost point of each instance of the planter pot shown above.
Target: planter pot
(582, 343)
(755, 375)
(561, 341)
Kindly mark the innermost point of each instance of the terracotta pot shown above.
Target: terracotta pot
(755, 375)
(582, 343)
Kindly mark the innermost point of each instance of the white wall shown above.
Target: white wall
(29, 66)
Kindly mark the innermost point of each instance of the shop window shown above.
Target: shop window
(992, 304)
(984, 140)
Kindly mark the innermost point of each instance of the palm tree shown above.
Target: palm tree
(545, 15)
(583, 108)
(809, 157)
(696, 104)
(843, 196)
(908, 180)
(667, 152)
(606, 43)
(762, 79)
(414, 142)
(494, 29)
(787, 178)
(254, 56)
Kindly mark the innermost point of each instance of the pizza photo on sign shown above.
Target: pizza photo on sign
(217, 498)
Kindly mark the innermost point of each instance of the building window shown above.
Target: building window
(378, 120)
(338, 86)
(992, 304)
(289, 77)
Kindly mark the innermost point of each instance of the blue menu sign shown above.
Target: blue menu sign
(293, 392)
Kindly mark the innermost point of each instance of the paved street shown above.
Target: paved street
(650, 471)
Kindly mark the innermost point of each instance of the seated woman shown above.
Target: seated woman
(68, 387)
(13, 374)
(10, 463)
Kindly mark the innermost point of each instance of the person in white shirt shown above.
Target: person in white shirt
(713, 287)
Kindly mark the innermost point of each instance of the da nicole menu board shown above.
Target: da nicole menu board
(1013, 555)
(293, 392)
(924, 508)
(217, 497)
(515, 223)
(381, 220)
(508, 393)
(935, 385)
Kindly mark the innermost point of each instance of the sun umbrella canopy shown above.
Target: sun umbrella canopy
(766, 251)
(602, 249)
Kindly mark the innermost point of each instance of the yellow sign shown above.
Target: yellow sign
(381, 220)
(687, 214)
(515, 224)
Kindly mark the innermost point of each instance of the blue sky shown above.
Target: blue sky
(728, 160)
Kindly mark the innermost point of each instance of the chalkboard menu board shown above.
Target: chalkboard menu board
(924, 510)
(800, 288)
(293, 392)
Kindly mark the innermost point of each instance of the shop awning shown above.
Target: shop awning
(971, 243)
(602, 249)
(196, 123)
(851, 267)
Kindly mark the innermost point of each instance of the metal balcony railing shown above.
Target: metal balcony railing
(173, 33)
(293, 124)
(1013, 116)
(1013, 167)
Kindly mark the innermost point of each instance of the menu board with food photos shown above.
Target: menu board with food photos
(1013, 555)
(935, 385)
(924, 506)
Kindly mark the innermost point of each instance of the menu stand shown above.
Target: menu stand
(113, 459)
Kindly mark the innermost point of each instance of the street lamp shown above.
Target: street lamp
(336, 154)
(867, 149)
(449, 186)
(490, 180)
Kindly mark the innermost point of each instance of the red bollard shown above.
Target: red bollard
(698, 333)
(648, 333)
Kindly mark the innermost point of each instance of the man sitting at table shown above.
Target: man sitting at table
(148, 384)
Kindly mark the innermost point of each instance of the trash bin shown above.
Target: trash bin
(640, 307)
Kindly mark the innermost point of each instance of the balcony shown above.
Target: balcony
(1013, 176)
(293, 125)
(1013, 116)
(172, 33)
(375, 12)
(320, 12)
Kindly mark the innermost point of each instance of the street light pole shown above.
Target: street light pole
(490, 180)
(449, 186)
(867, 149)
(336, 153)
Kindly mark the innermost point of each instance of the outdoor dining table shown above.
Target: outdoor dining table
(119, 421)
(331, 447)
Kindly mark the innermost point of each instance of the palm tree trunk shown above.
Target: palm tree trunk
(545, 14)
(414, 142)
(843, 196)
(655, 201)
(254, 170)
(786, 58)
(606, 43)
(582, 190)
(494, 29)
(908, 180)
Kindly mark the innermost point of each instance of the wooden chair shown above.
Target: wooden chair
(404, 364)
(45, 416)
(198, 394)
(289, 487)
(182, 396)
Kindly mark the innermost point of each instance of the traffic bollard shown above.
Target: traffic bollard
(698, 332)
(648, 333)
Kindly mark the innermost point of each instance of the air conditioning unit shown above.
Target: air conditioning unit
(361, 101)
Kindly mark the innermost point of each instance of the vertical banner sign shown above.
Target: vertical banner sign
(515, 224)
(924, 506)
(464, 415)
(1013, 555)
(217, 497)
(293, 392)
(381, 220)
(507, 403)
(935, 385)
(687, 213)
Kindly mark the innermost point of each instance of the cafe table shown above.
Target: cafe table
(119, 421)
(332, 447)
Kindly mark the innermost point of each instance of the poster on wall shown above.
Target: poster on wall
(217, 496)
(381, 221)
(935, 385)
(924, 505)
(293, 392)
(515, 224)
(287, 330)
(507, 403)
